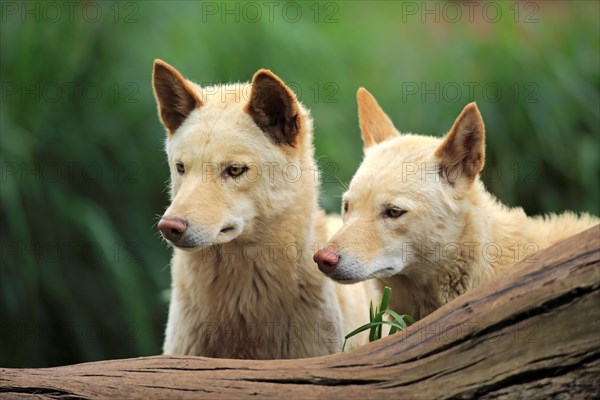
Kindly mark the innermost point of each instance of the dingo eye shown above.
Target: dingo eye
(180, 168)
(235, 170)
(346, 206)
(392, 212)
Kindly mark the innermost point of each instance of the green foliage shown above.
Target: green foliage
(83, 272)
(376, 321)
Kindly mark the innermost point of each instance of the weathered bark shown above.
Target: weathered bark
(532, 333)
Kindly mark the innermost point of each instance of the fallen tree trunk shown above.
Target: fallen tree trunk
(532, 333)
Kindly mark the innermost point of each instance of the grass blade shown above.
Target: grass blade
(375, 326)
(369, 326)
(373, 332)
(400, 318)
(385, 299)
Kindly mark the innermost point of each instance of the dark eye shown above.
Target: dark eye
(180, 168)
(345, 206)
(393, 212)
(236, 170)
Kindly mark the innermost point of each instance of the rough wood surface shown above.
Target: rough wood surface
(533, 333)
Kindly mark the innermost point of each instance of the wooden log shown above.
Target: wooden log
(531, 333)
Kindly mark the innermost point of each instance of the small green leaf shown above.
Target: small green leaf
(369, 326)
(373, 331)
(399, 318)
(376, 315)
(385, 299)
(359, 330)
(373, 318)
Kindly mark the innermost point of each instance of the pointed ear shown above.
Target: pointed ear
(274, 108)
(176, 97)
(375, 125)
(462, 152)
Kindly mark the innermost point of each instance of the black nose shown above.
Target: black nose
(172, 228)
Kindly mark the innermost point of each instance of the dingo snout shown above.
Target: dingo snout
(185, 234)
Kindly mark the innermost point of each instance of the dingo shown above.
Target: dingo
(417, 215)
(242, 222)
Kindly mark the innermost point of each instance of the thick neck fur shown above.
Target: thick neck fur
(491, 239)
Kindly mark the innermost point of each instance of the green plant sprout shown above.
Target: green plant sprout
(376, 323)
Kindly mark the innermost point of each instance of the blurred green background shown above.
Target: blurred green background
(84, 274)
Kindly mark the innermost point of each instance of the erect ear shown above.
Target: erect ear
(375, 125)
(462, 152)
(274, 108)
(176, 97)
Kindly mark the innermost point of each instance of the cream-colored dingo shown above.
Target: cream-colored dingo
(417, 216)
(243, 223)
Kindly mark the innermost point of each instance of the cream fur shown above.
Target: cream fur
(453, 237)
(254, 291)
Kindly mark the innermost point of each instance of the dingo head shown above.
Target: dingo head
(229, 148)
(409, 191)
